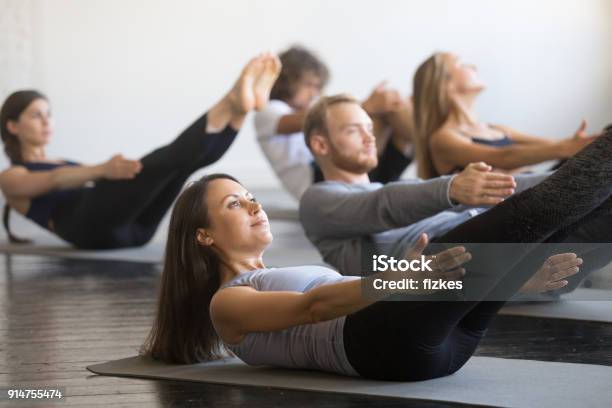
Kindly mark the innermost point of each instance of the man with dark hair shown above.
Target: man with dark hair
(279, 125)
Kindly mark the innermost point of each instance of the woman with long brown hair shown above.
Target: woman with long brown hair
(130, 197)
(449, 134)
(216, 292)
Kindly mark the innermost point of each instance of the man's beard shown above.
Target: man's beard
(346, 163)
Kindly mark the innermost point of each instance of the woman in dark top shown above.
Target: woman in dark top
(449, 134)
(118, 203)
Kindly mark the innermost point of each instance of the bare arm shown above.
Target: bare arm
(239, 310)
(289, 124)
(519, 137)
(380, 101)
(19, 182)
(458, 151)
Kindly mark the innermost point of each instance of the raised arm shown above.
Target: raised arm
(454, 150)
(291, 123)
(342, 210)
(278, 118)
(520, 137)
(18, 183)
(239, 310)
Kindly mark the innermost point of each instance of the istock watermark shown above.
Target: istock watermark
(483, 271)
(382, 263)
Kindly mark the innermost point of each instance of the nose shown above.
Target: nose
(47, 120)
(254, 207)
(368, 135)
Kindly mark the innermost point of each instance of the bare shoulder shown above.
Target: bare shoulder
(507, 130)
(12, 172)
(447, 135)
(223, 307)
(227, 299)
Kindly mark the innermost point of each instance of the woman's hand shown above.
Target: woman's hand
(582, 134)
(446, 265)
(477, 185)
(578, 141)
(120, 168)
(552, 274)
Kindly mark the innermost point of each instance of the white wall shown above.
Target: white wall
(127, 75)
(15, 45)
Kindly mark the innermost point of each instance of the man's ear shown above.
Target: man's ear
(319, 145)
(203, 238)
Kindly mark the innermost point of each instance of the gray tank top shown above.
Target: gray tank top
(317, 346)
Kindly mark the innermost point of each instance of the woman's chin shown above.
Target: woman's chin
(269, 238)
(478, 87)
(264, 238)
(41, 141)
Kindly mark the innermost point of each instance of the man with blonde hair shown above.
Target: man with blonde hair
(346, 211)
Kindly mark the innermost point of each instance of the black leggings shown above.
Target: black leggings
(126, 213)
(424, 339)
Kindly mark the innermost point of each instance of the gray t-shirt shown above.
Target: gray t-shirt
(318, 346)
(340, 218)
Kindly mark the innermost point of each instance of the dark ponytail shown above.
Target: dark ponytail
(12, 108)
(13, 239)
(183, 332)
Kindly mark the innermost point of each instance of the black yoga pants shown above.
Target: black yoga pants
(126, 213)
(424, 339)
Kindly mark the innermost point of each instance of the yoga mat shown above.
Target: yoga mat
(152, 253)
(482, 381)
(581, 304)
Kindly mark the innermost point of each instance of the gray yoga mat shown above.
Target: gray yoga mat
(581, 304)
(482, 381)
(51, 246)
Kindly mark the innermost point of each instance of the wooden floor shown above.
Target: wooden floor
(60, 315)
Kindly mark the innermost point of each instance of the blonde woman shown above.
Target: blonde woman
(449, 134)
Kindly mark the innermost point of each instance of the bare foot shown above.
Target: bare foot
(242, 96)
(265, 80)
